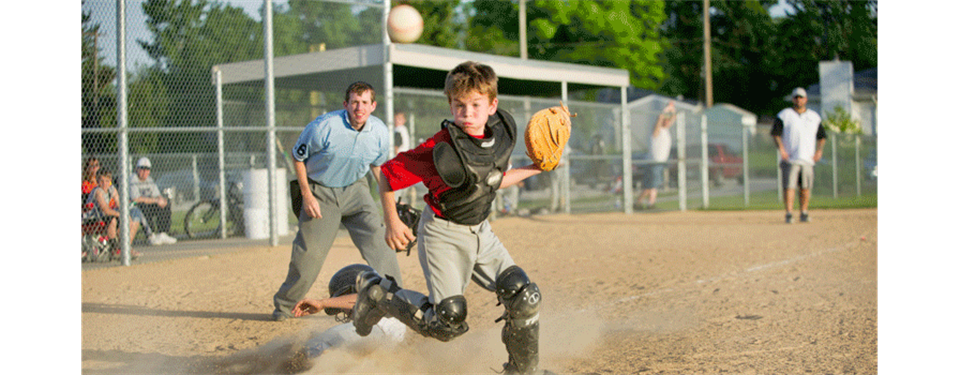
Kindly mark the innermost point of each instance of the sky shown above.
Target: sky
(104, 13)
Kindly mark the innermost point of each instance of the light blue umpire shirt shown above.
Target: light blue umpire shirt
(335, 154)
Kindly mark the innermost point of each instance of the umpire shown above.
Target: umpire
(331, 158)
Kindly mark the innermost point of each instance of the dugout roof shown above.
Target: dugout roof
(417, 66)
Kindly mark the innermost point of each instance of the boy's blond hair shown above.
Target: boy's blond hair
(468, 77)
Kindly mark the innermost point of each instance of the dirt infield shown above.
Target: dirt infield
(663, 293)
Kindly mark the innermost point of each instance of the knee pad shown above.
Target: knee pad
(519, 296)
(448, 320)
(452, 310)
(444, 321)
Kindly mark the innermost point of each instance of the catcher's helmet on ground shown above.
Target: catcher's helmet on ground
(345, 282)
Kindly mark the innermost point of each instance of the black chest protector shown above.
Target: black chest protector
(473, 168)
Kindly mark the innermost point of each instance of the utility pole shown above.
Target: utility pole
(523, 29)
(707, 69)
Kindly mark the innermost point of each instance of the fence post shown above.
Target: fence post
(220, 161)
(745, 168)
(627, 154)
(565, 187)
(682, 160)
(271, 123)
(125, 239)
(856, 151)
(704, 162)
(833, 146)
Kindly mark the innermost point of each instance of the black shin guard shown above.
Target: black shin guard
(521, 334)
(523, 348)
(369, 294)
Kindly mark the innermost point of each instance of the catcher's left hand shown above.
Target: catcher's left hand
(411, 218)
(546, 135)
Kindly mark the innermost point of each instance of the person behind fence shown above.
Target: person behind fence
(90, 167)
(331, 158)
(88, 182)
(401, 143)
(146, 194)
(660, 143)
(462, 166)
(800, 137)
(401, 135)
(105, 201)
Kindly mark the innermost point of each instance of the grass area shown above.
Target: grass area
(758, 201)
(177, 216)
(769, 201)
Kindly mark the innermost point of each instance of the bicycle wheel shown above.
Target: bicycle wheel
(203, 220)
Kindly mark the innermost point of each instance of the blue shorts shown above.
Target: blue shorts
(653, 176)
(137, 215)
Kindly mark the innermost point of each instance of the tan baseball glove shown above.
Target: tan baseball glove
(547, 133)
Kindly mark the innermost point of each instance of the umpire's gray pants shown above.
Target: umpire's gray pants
(354, 207)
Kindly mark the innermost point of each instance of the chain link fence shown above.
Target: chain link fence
(214, 177)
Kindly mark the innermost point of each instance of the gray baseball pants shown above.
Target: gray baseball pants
(452, 254)
(355, 208)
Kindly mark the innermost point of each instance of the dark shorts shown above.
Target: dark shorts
(653, 176)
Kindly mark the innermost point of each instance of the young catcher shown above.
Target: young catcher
(462, 167)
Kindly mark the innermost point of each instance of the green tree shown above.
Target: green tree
(743, 51)
(824, 30)
(494, 28)
(335, 25)
(98, 99)
(743, 67)
(757, 59)
(338, 25)
(444, 22)
(148, 105)
(189, 37)
(617, 34)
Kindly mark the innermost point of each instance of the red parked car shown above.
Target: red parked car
(724, 164)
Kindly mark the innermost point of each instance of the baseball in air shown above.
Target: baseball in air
(404, 24)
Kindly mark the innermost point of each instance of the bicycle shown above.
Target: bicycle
(203, 219)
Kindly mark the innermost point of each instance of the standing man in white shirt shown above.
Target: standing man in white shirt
(660, 144)
(800, 137)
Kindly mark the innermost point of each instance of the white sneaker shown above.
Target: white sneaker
(155, 240)
(167, 239)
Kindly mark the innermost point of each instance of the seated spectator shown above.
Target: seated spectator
(105, 201)
(146, 194)
(90, 168)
